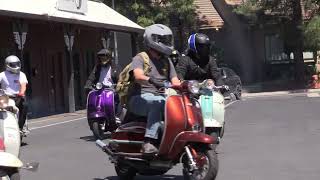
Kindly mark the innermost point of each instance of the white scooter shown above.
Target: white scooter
(10, 140)
(213, 108)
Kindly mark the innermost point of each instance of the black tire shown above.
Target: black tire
(14, 174)
(212, 170)
(97, 130)
(125, 172)
(222, 130)
(215, 132)
(237, 91)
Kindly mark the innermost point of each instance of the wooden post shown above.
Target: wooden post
(69, 40)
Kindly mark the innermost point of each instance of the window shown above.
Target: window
(274, 48)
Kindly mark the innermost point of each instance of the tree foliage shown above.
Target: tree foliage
(178, 14)
(147, 12)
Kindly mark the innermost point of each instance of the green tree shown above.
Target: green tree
(177, 14)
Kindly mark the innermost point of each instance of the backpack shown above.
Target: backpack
(125, 81)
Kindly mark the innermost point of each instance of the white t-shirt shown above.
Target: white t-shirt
(105, 76)
(10, 82)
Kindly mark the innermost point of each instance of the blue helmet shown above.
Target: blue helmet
(199, 43)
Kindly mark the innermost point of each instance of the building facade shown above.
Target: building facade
(256, 53)
(59, 52)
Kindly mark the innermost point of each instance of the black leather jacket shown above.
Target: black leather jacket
(95, 75)
(191, 68)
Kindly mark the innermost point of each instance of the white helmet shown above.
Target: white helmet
(13, 64)
(159, 37)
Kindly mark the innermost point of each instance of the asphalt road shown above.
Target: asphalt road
(272, 138)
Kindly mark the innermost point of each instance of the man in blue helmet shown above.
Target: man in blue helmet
(197, 64)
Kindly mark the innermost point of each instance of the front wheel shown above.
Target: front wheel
(10, 174)
(97, 130)
(207, 166)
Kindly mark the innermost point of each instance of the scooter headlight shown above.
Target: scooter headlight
(4, 101)
(194, 87)
(209, 84)
(99, 86)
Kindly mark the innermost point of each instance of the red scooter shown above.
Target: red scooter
(182, 141)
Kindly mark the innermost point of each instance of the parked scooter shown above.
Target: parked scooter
(10, 165)
(101, 110)
(9, 139)
(213, 108)
(181, 141)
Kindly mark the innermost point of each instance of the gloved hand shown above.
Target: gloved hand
(158, 84)
(226, 87)
(20, 95)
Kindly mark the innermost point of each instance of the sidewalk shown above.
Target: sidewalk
(274, 88)
(75, 115)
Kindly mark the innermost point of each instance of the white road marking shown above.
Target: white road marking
(313, 95)
(47, 119)
(34, 122)
(230, 103)
(55, 124)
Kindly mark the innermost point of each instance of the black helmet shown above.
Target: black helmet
(104, 56)
(200, 44)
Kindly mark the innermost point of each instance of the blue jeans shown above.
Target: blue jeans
(152, 106)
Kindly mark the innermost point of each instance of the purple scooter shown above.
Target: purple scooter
(101, 110)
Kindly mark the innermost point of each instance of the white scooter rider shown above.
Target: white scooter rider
(14, 83)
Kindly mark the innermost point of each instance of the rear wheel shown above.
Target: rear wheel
(216, 133)
(97, 130)
(125, 172)
(207, 166)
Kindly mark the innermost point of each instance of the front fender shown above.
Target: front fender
(9, 160)
(187, 137)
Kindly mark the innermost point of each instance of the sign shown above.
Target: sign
(75, 6)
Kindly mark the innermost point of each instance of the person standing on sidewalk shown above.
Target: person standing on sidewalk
(14, 83)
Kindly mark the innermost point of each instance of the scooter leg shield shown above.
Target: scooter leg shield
(190, 137)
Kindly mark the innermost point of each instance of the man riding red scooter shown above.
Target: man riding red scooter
(174, 121)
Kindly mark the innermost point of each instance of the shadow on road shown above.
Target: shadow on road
(165, 177)
(92, 138)
(88, 138)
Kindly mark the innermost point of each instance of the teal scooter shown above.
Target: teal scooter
(213, 108)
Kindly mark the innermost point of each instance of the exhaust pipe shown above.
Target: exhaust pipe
(104, 147)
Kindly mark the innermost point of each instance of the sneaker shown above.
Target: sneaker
(148, 148)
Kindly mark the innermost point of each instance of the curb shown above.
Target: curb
(279, 93)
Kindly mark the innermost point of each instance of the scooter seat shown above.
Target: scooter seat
(133, 126)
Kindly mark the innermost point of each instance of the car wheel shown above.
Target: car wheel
(237, 91)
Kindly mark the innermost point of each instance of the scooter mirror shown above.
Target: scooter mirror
(33, 166)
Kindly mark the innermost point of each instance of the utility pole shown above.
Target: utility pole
(115, 42)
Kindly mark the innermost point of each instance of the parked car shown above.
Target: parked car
(231, 79)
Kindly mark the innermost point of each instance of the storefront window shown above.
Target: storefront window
(274, 48)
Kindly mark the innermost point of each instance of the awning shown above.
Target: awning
(98, 14)
(208, 16)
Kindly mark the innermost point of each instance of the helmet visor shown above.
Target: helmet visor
(203, 49)
(15, 65)
(165, 39)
